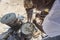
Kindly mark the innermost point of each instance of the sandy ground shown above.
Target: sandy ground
(8, 6)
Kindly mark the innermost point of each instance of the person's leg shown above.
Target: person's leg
(27, 10)
(29, 14)
(27, 17)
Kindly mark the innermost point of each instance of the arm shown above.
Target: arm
(38, 26)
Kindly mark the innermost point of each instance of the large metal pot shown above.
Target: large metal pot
(11, 20)
(27, 30)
